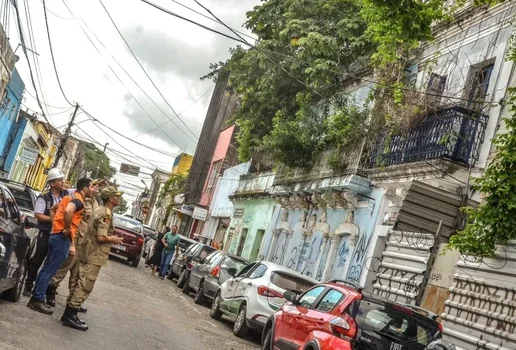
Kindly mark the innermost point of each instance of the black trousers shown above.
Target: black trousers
(37, 258)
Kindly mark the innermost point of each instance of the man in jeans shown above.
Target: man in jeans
(61, 242)
(170, 241)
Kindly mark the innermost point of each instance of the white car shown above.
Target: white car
(255, 293)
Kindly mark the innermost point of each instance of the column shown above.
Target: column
(319, 258)
(289, 234)
(275, 235)
(332, 253)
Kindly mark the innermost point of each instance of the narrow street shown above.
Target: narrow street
(128, 309)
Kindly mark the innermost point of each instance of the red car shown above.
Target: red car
(337, 315)
(132, 232)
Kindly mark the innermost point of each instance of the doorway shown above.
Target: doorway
(243, 237)
(257, 245)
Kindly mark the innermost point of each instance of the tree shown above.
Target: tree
(89, 159)
(122, 207)
(175, 185)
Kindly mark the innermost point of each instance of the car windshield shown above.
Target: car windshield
(22, 197)
(233, 263)
(290, 282)
(395, 324)
(128, 224)
(149, 232)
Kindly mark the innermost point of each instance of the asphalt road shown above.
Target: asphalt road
(128, 309)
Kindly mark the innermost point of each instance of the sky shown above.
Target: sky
(101, 75)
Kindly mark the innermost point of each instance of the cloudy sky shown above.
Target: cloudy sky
(173, 52)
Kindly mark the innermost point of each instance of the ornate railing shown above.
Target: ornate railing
(454, 133)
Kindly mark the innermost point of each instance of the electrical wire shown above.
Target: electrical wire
(146, 74)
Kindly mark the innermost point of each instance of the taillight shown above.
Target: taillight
(267, 292)
(440, 326)
(344, 327)
(215, 271)
(140, 241)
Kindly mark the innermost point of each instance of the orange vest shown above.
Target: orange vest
(59, 223)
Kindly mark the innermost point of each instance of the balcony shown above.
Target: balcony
(254, 185)
(452, 134)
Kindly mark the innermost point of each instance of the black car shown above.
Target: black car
(14, 245)
(207, 276)
(183, 263)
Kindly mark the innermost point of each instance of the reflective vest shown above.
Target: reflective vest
(45, 227)
(59, 222)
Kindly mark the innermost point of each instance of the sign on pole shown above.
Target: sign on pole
(200, 214)
(129, 169)
(28, 155)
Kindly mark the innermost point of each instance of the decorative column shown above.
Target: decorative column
(326, 236)
(335, 240)
(289, 234)
(275, 235)
(305, 244)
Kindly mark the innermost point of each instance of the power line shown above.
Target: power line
(52, 54)
(46, 104)
(146, 74)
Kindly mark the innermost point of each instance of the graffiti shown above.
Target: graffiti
(343, 254)
(293, 255)
(399, 283)
(278, 254)
(357, 259)
(307, 270)
(436, 276)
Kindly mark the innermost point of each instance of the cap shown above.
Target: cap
(95, 182)
(110, 191)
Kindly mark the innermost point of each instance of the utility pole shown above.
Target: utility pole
(98, 166)
(66, 135)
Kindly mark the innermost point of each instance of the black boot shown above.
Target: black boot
(27, 291)
(70, 319)
(83, 309)
(40, 306)
(51, 295)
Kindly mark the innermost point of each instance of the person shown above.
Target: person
(45, 201)
(170, 242)
(155, 259)
(71, 263)
(61, 242)
(93, 254)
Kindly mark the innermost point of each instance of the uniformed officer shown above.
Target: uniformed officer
(72, 261)
(93, 254)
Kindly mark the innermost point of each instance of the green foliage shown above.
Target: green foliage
(122, 207)
(494, 221)
(175, 185)
(93, 158)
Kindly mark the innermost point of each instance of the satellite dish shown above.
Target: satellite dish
(179, 199)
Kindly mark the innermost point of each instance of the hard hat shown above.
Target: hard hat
(54, 173)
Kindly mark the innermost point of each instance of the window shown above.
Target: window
(209, 259)
(217, 260)
(329, 301)
(245, 270)
(128, 224)
(231, 263)
(206, 250)
(3, 206)
(258, 272)
(214, 175)
(293, 283)
(12, 208)
(395, 323)
(478, 84)
(191, 248)
(23, 198)
(309, 297)
(435, 89)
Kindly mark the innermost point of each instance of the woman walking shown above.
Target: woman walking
(155, 260)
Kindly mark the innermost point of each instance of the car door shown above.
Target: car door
(177, 265)
(285, 332)
(247, 288)
(201, 270)
(315, 317)
(229, 287)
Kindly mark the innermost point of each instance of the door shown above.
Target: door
(247, 285)
(230, 286)
(241, 242)
(285, 332)
(179, 261)
(201, 270)
(257, 244)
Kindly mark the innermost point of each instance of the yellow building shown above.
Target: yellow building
(37, 174)
(182, 164)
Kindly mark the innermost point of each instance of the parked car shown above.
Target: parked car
(132, 232)
(185, 242)
(339, 315)
(207, 276)
(14, 245)
(183, 263)
(150, 236)
(25, 197)
(255, 293)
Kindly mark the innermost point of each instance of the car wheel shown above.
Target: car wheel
(199, 296)
(181, 279)
(240, 328)
(186, 288)
(14, 293)
(215, 312)
(267, 341)
(135, 262)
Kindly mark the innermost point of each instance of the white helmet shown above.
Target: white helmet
(54, 173)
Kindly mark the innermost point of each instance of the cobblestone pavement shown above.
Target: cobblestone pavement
(128, 309)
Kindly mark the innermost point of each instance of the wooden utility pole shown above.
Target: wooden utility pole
(66, 135)
(98, 166)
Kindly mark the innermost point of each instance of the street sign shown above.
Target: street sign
(187, 209)
(28, 155)
(200, 214)
(129, 169)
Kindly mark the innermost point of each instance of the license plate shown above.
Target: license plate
(119, 247)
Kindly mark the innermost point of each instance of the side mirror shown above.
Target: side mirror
(182, 250)
(30, 222)
(291, 296)
(232, 271)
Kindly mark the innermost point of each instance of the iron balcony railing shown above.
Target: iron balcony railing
(454, 133)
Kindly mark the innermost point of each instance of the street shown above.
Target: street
(128, 309)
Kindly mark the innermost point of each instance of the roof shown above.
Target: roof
(276, 267)
(10, 182)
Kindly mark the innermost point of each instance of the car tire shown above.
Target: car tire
(240, 328)
(14, 293)
(186, 287)
(199, 295)
(215, 312)
(181, 279)
(267, 340)
(135, 262)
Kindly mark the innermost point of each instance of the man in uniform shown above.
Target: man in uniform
(61, 242)
(93, 254)
(72, 261)
(48, 199)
